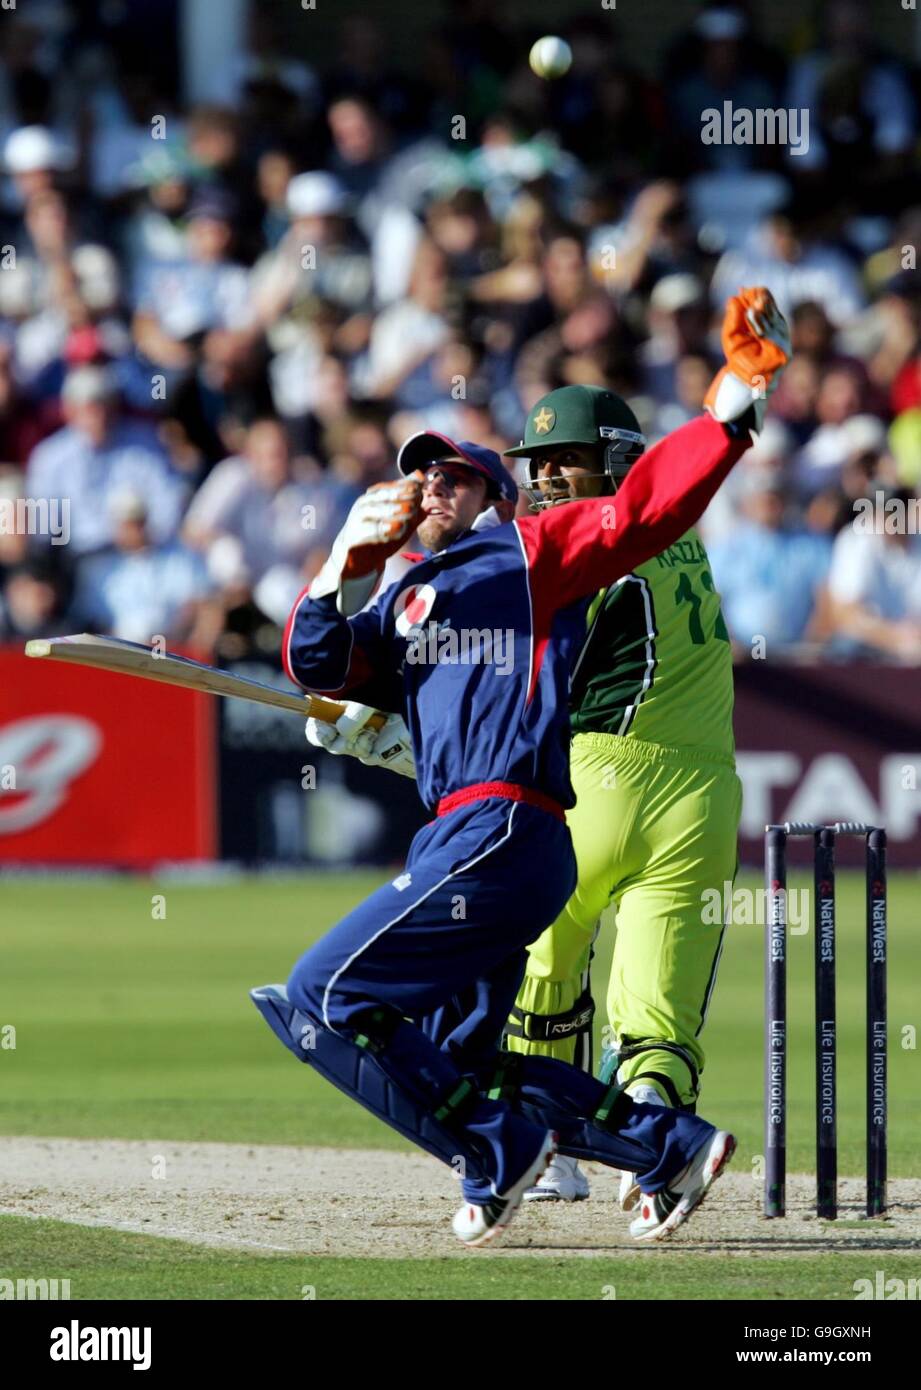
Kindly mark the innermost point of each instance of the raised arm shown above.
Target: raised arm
(581, 547)
(332, 647)
(574, 550)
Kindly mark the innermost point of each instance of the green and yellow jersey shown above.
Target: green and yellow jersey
(657, 663)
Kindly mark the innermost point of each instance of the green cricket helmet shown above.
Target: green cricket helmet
(586, 415)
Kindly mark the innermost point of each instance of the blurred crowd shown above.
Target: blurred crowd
(218, 322)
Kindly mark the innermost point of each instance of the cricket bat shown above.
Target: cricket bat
(134, 659)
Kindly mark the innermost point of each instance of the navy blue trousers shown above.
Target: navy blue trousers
(443, 946)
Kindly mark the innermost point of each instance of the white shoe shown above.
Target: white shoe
(629, 1194)
(663, 1212)
(563, 1181)
(480, 1225)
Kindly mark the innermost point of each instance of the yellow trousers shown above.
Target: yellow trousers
(655, 831)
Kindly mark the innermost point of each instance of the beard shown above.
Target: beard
(437, 535)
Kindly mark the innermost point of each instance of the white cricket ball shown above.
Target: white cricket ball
(550, 57)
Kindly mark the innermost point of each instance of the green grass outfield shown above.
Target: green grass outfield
(103, 1264)
(132, 1026)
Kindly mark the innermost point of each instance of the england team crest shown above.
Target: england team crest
(412, 607)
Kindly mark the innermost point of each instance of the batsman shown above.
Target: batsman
(652, 763)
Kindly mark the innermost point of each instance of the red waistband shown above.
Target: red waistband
(505, 791)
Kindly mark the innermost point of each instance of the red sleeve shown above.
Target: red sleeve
(576, 549)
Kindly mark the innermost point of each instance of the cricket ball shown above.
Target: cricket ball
(550, 57)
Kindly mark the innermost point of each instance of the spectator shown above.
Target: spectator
(327, 396)
(654, 240)
(33, 602)
(179, 302)
(577, 348)
(518, 279)
(359, 449)
(461, 227)
(407, 333)
(874, 588)
(768, 570)
(23, 422)
(864, 116)
(677, 323)
(905, 443)
(253, 515)
(57, 283)
(274, 172)
(14, 540)
(768, 460)
(786, 253)
(213, 140)
(33, 158)
(843, 429)
(509, 158)
(364, 71)
(155, 230)
(139, 590)
(898, 362)
(796, 399)
(362, 145)
(722, 74)
(693, 374)
(99, 453)
(223, 392)
(319, 257)
(118, 127)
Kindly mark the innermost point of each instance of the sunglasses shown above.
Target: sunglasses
(450, 475)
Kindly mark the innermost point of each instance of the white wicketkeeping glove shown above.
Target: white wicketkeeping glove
(389, 746)
(380, 522)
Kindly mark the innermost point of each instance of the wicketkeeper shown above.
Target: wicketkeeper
(495, 866)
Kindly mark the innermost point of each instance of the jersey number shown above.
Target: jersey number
(685, 594)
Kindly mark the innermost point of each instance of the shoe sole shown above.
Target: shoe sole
(714, 1168)
(631, 1198)
(516, 1195)
(546, 1194)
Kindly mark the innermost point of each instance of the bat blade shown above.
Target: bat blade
(134, 659)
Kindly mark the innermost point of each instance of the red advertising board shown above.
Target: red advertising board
(110, 770)
(97, 768)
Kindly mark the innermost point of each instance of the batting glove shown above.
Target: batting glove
(380, 522)
(390, 746)
(756, 341)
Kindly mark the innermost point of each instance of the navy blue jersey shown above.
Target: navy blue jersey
(475, 645)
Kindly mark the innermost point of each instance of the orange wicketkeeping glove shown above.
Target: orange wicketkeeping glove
(380, 522)
(756, 341)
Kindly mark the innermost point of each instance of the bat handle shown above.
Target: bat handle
(328, 711)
